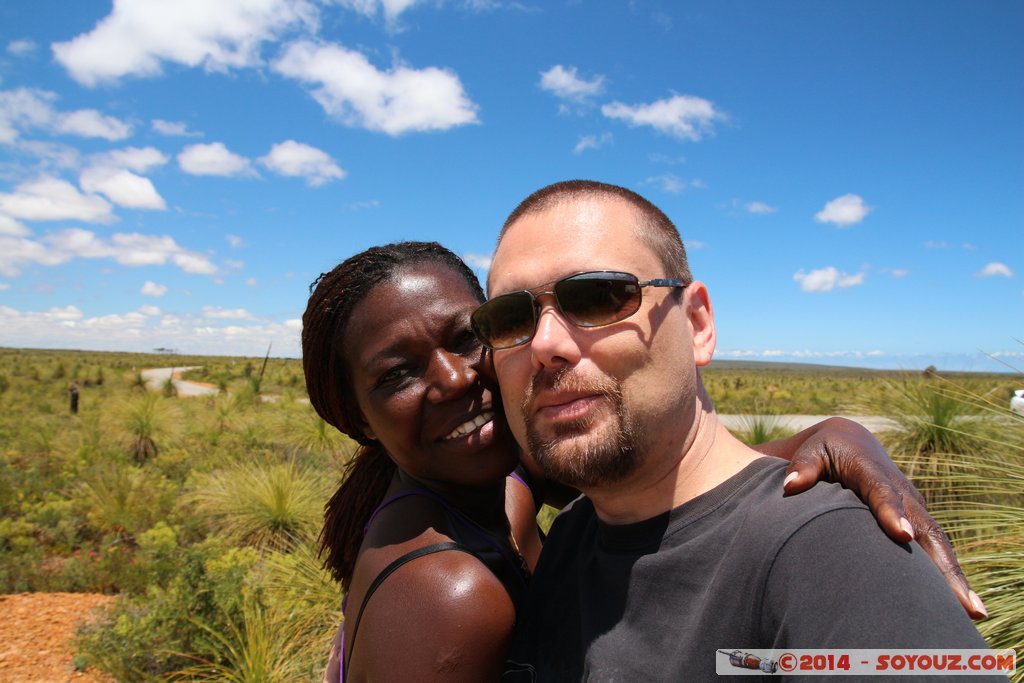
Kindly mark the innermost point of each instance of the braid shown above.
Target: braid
(334, 295)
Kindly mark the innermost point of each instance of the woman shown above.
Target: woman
(428, 521)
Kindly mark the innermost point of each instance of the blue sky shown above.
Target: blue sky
(848, 176)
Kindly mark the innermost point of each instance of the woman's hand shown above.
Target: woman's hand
(842, 451)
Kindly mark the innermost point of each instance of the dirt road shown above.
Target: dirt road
(157, 377)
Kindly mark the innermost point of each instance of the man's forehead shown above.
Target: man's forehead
(575, 235)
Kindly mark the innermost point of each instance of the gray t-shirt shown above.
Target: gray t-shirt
(739, 567)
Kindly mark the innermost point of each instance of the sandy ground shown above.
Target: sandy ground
(36, 630)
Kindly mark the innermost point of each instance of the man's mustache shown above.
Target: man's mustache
(568, 380)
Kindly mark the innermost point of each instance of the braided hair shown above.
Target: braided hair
(334, 295)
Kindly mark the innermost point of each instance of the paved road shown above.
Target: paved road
(156, 377)
(874, 423)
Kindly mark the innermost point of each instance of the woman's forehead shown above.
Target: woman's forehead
(414, 296)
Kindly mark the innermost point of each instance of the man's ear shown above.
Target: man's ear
(702, 322)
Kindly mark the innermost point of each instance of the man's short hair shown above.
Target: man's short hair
(654, 228)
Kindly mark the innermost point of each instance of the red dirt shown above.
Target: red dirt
(36, 630)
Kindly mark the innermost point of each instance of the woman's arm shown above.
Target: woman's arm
(840, 450)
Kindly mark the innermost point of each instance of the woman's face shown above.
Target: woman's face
(425, 387)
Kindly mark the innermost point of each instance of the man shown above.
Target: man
(682, 545)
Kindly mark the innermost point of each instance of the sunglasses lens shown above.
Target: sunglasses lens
(506, 320)
(595, 299)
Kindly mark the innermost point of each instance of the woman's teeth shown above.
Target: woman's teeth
(468, 426)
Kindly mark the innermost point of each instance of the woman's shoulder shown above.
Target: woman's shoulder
(433, 607)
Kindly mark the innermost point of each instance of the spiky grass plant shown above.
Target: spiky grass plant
(304, 429)
(987, 526)
(761, 428)
(144, 421)
(935, 419)
(976, 492)
(270, 507)
(118, 498)
(296, 585)
(254, 649)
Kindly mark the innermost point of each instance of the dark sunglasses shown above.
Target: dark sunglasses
(591, 299)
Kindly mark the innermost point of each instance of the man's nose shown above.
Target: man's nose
(554, 343)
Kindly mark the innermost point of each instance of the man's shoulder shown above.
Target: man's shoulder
(754, 496)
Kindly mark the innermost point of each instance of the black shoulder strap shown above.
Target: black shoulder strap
(388, 571)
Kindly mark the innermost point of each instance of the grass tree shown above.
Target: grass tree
(935, 419)
(144, 421)
(269, 506)
(255, 648)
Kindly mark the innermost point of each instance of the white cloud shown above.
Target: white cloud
(398, 101)
(291, 158)
(21, 48)
(51, 155)
(138, 36)
(11, 227)
(234, 264)
(27, 108)
(760, 208)
(89, 123)
(659, 158)
(844, 211)
(138, 159)
(995, 269)
(825, 279)
(234, 240)
(390, 8)
(213, 159)
(477, 261)
(114, 174)
(143, 330)
(226, 313)
(51, 199)
(24, 108)
(127, 249)
(194, 263)
(682, 116)
(367, 204)
(671, 183)
(565, 84)
(936, 244)
(250, 281)
(591, 142)
(4, 286)
(122, 187)
(896, 272)
(173, 129)
(150, 288)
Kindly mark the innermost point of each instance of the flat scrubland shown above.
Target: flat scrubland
(201, 514)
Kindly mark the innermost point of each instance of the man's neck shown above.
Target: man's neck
(707, 456)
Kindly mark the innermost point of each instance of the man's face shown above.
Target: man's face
(592, 405)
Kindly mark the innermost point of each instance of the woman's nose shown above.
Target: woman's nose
(451, 375)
